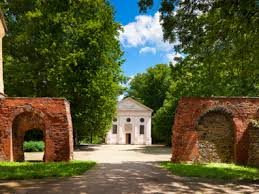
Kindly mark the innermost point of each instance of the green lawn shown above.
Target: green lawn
(213, 170)
(31, 170)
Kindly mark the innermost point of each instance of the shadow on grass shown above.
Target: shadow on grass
(213, 170)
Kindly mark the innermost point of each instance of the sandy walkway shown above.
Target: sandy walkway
(125, 169)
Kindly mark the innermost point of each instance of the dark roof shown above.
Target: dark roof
(3, 20)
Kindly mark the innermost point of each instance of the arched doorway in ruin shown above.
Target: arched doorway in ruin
(216, 136)
(34, 145)
(23, 123)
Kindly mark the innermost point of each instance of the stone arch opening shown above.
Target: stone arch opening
(34, 145)
(22, 123)
(253, 154)
(216, 136)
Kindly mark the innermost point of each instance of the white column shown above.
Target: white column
(135, 131)
(148, 131)
(108, 137)
(119, 138)
(133, 138)
(132, 132)
(120, 131)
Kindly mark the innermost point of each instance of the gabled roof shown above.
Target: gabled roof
(135, 102)
(3, 20)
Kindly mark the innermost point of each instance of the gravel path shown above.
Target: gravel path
(125, 170)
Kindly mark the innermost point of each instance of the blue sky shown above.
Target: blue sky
(142, 37)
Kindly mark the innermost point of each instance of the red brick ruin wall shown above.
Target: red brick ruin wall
(216, 130)
(51, 115)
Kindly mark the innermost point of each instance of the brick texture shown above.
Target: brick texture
(52, 115)
(253, 158)
(215, 129)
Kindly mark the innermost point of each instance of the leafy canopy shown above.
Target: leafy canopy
(65, 49)
(220, 47)
(151, 88)
(220, 40)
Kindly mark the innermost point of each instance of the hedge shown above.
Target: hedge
(33, 146)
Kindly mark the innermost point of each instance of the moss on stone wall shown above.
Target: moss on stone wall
(216, 138)
(253, 129)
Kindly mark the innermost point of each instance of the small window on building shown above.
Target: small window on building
(142, 120)
(114, 119)
(141, 129)
(114, 129)
(128, 120)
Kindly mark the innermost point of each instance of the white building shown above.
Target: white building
(3, 29)
(132, 125)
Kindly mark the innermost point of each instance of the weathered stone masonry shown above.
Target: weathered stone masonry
(253, 151)
(52, 115)
(216, 129)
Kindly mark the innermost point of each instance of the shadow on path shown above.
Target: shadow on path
(87, 147)
(127, 178)
(154, 150)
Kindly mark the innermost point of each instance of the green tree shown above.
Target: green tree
(162, 122)
(220, 45)
(220, 38)
(151, 86)
(65, 49)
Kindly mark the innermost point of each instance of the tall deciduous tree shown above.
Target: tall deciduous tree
(219, 41)
(220, 38)
(65, 49)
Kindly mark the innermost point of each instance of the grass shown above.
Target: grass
(32, 170)
(213, 170)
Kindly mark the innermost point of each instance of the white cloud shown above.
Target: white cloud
(120, 97)
(145, 31)
(147, 50)
(128, 81)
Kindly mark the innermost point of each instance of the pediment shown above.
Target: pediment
(132, 105)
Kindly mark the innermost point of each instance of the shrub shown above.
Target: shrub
(33, 146)
(162, 123)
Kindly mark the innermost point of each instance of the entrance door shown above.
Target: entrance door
(128, 138)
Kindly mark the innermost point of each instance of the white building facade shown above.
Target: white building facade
(3, 29)
(132, 125)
